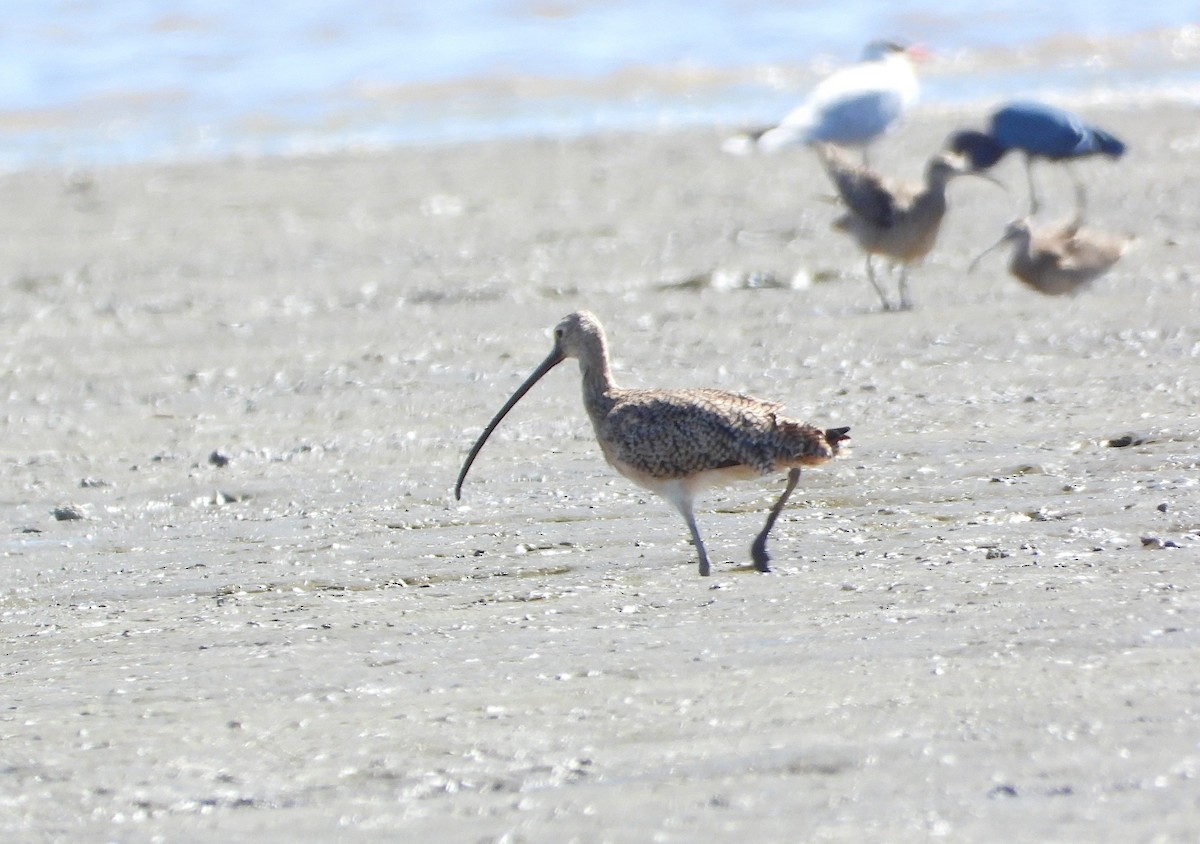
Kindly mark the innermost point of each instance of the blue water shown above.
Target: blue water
(86, 82)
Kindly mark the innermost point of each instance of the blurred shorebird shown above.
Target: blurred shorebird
(1059, 259)
(897, 221)
(851, 107)
(677, 442)
(1038, 131)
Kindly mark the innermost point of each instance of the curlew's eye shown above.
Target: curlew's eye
(558, 334)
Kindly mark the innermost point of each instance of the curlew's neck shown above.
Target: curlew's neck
(937, 179)
(598, 384)
(929, 206)
(1023, 257)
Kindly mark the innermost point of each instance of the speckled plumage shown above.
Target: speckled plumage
(676, 442)
(887, 218)
(675, 433)
(1062, 259)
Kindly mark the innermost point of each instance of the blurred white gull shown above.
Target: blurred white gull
(851, 107)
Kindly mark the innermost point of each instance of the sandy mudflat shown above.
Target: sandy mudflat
(983, 624)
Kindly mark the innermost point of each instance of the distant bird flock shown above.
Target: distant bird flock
(857, 105)
(677, 442)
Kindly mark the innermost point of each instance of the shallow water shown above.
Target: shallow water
(102, 82)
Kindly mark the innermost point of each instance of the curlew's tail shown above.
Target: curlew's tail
(835, 436)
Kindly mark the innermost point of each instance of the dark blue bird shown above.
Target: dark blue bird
(1039, 131)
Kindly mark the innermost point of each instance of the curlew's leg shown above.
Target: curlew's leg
(905, 303)
(887, 306)
(697, 541)
(759, 549)
(681, 497)
(1034, 204)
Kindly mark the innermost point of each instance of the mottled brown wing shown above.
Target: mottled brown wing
(673, 434)
(1088, 251)
(863, 190)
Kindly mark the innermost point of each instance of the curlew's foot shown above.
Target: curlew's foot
(758, 551)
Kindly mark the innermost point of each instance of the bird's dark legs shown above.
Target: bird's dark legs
(759, 549)
(1080, 191)
(690, 518)
(887, 306)
(905, 304)
(1034, 204)
(1080, 194)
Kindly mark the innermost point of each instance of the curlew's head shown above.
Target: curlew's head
(578, 335)
(947, 164)
(1018, 231)
(943, 167)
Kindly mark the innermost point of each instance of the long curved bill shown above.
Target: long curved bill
(554, 359)
(987, 177)
(975, 261)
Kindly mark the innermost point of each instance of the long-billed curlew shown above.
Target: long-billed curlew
(851, 107)
(1059, 259)
(1039, 131)
(677, 442)
(897, 221)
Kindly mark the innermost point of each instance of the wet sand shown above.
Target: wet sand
(982, 623)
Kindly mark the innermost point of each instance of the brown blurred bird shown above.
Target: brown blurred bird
(1059, 259)
(897, 221)
(677, 442)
